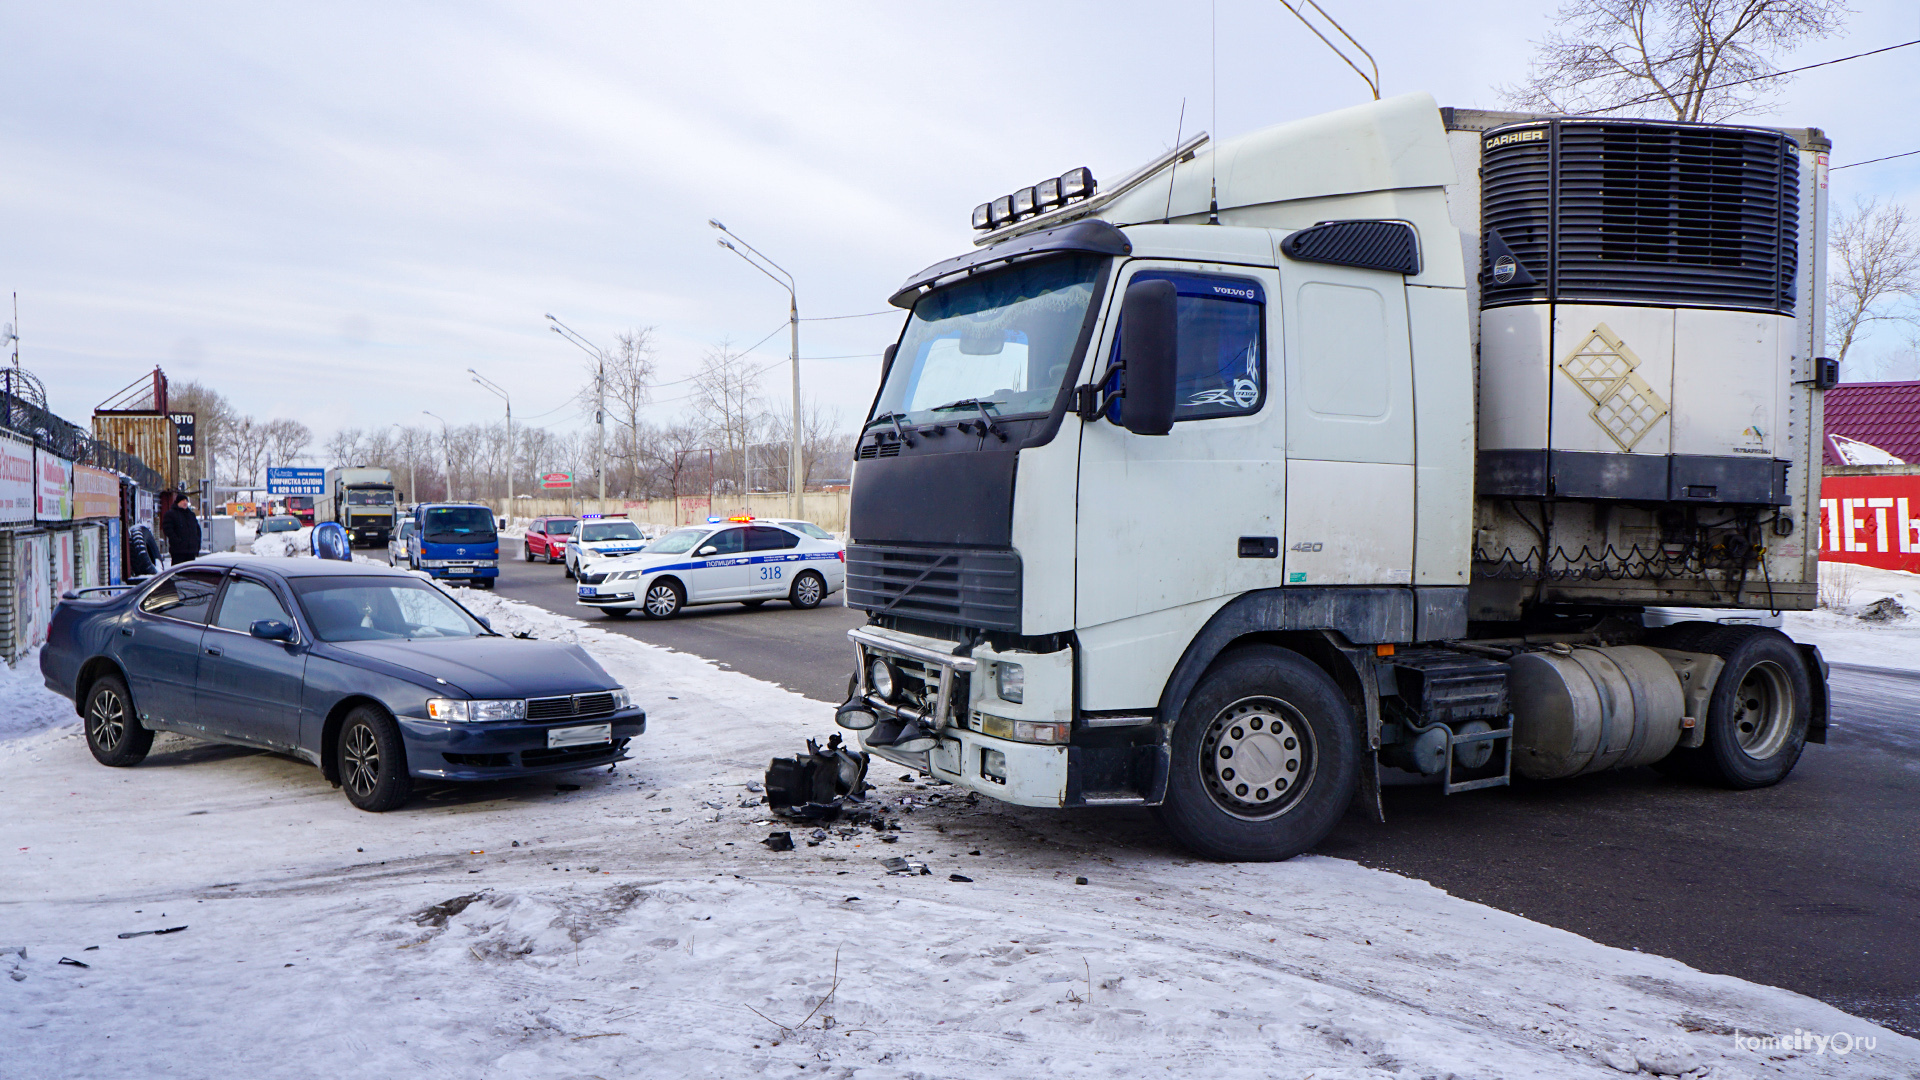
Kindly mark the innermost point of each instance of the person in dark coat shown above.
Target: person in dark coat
(181, 529)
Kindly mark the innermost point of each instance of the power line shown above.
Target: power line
(1870, 161)
(1756, 78)
(868, 315)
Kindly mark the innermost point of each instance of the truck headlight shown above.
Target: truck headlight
(993, 766)
(880, 678)
(476, 712)
(1010, 682)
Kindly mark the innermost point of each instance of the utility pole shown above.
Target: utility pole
(599, 399)
(413, 464)
(795, 480)
(488, 384)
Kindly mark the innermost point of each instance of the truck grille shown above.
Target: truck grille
(879, 449)
(577, 707)
(957, 586)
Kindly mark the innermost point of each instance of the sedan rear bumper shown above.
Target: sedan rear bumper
(445, 751)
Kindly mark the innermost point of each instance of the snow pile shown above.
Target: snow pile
(26, 705)
(1868, 616)
(297, 542)
(628, 922)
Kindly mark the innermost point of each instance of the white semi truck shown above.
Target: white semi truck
(363, 501)
(1361, 442)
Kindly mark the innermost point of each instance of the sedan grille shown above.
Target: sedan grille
(592, 579)
(578, 706)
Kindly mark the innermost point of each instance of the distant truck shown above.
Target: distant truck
(363, 501)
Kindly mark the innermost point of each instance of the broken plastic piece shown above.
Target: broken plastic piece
(71, 962)
(812, 786)
(144, 933)
(779, 841)
(958, 877)
(1079, 881)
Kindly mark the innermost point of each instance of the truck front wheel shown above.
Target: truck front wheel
(1266, 757)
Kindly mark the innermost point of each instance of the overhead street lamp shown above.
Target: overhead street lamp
(446, 451)
(794, 477)
(490, 385)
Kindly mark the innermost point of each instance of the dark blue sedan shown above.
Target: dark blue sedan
(374, 675)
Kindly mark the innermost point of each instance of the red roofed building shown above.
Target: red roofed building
(1883, 414)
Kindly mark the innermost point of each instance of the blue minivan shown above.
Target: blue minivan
(457, 541)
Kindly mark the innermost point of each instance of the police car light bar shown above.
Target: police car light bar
(1025, 203)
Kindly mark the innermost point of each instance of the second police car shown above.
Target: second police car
(726, 560)
(599, 537)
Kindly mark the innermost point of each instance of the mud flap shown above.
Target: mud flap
(1370, 788)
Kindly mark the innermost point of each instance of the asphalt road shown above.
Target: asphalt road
(1812, 885)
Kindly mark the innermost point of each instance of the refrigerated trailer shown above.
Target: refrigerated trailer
(1363, 442)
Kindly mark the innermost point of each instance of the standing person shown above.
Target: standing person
(182, 529)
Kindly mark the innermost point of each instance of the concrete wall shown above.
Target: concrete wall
(827, 509)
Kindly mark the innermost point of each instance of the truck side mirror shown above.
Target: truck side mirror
(1149, 355)
(886, 362)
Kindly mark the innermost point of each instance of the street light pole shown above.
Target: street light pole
(795, 481)
(489, 384)
(446, 451)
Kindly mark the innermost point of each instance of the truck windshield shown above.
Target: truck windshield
(369, 498)
(1002, 342)
(459, 525)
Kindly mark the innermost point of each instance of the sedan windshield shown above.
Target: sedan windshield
(677, 542)
(380, 609)
(283, 524)
(459, 525)
(609, 530)
(1001, 343)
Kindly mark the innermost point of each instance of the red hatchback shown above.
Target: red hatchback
(547, 538)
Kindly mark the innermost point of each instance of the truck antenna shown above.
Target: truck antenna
(1213, 161)
(1173, 166)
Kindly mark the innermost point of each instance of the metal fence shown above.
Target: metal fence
(71, 441)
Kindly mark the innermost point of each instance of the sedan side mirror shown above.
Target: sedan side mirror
(484, 621)
(1149, 356)
(272, 630)
(708, 550)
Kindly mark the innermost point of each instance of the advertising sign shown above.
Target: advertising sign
(53, 487)
(116, 542)
(87, 567)
(16, 480)
(182, 433)
(96, 492)
(557, 480)
(33, 604)
(64, 558)
(1871, 520)
(296, 481)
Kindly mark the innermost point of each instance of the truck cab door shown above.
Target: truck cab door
(1170, 526)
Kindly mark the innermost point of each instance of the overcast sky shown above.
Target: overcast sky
(331, 214)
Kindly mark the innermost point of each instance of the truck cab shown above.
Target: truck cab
(455, 541)
(1224, 489)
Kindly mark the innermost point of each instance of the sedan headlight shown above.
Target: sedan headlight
(622, 699)
(627, 575)
(457, 711)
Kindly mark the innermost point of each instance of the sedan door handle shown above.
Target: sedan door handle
(125, 632)
(211, 651)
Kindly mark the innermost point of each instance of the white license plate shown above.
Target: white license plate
(585, 735)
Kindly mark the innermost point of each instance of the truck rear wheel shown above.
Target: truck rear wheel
(1758, 715)
(1266, 757)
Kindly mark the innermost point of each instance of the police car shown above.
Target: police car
(599, 537)
(727, 560)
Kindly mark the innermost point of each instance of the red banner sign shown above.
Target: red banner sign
(1872, 520)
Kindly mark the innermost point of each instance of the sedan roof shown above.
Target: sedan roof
(293, 566)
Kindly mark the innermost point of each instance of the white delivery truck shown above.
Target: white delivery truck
(363, 501)
(1359, 442)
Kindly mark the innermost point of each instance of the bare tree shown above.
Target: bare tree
(726, 401)
(212, 419)
(346, 446)
(287, 440)
(1874, 266)
(246, 447)
(666, 451)
(822, 443)
(1685, 59)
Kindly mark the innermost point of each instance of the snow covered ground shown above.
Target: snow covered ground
(628, 923)
(1881, 639)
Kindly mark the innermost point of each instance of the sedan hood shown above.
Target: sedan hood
(487, 667)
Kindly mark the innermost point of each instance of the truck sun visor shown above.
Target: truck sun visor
(1097, 237)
